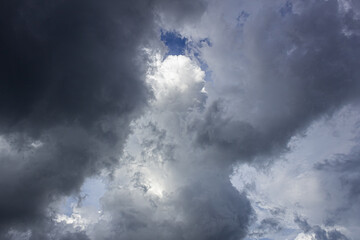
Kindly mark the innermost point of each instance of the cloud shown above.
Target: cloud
(190, 212)
(265, 227)
(178, 84)
(71, 63)
(303, 183)
(341, 173)
(316, 232)
(177, 14)
(231, 139)
(346, 166)
(73, 78)
(276, 74)
(164, 191)
(273, 76)
(86, 89)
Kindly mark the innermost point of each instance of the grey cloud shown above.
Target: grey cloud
(197, 201)
(192, 212)
(72, 79)
(319, 233)
(47, 230)
(31, 179)
(70, 62)
(266, 226)
(279, 74)
(303, 224)
(346, 166)
(295, 68)
(341, 172)
(296, 72)
(75, 236)
(277, 211)
(175, 14)
(212, 217)
(156, 143)
(231, 138)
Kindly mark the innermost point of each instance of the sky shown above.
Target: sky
(180, 120)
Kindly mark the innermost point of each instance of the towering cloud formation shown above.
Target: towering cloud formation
(168, 189)
(86, 88)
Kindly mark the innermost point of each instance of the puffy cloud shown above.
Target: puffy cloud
(177, 83)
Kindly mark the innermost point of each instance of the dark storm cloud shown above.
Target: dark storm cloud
(70, 62)
(71, 76)
(72, 79)
(318, 232)
(299, 67)
(33, 178)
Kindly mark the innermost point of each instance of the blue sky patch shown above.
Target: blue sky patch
(175, 42)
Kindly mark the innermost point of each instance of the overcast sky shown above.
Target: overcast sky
(180, 120)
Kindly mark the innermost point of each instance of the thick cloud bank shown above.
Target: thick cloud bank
(72, 79)
(283, 70)
(88, 89)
